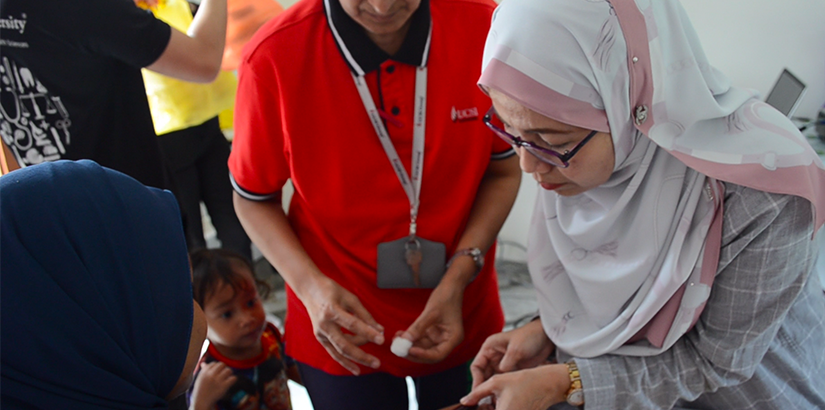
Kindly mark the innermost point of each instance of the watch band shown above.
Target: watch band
(475, 253)
(575, 395)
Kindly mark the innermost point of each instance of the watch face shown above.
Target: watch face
(576, 398)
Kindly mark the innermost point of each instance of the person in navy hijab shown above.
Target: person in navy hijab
(95, 291)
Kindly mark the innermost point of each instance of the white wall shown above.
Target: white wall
(752, 40)
(749, 40)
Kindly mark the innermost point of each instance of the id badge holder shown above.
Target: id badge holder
(395, 260)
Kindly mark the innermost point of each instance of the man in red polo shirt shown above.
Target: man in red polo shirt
(370, 108)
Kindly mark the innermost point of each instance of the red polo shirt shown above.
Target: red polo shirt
(298, 116)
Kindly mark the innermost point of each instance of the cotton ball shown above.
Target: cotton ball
(400, 346)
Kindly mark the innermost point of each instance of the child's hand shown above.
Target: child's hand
(211, 384)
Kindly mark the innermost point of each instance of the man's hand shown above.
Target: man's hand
(438, 329)
(332, 308)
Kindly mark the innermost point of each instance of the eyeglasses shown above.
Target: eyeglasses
(556, 159)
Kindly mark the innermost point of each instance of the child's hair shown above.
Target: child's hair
(212, 267)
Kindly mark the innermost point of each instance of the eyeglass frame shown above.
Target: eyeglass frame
(515, 141)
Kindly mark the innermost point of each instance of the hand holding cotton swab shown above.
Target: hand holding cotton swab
(400, 346)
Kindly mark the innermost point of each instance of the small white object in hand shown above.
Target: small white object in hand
(400, 346)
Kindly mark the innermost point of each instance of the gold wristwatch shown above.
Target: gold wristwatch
(575, 395)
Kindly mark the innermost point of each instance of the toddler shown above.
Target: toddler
(244, 366)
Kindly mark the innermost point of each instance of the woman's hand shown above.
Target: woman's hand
(439, 328)
(536, 388)
(522, 348)
(213, 381)
(332, 310)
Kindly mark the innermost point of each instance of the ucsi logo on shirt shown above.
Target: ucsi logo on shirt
(463, 114)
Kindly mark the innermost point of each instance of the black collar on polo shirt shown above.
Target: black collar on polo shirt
(364, 56)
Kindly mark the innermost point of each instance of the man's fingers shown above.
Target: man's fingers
(358, 326)
(362, 313)
(362, 328)
(435, 353)
(358, 340)
(422, 342)
(417, 329)
(338, 357)
(352, 352)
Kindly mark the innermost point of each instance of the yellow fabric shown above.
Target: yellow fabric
(177, 104)
(226, 118)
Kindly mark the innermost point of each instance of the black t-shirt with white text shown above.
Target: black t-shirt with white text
(72, 87)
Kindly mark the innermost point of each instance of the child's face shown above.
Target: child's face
(236, 320)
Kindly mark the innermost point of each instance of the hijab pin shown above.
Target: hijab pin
(709, 192)
(641, 114)
(635, 60)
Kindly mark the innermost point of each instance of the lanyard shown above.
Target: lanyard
(412, 184)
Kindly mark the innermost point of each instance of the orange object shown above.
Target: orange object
(150, 4)
(7, 161)
(244, 18)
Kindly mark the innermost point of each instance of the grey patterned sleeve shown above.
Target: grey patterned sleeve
(765, 262)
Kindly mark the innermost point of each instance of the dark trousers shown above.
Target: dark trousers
(198, 156)
(383, 391)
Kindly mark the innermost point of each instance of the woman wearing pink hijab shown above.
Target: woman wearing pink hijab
(671, 245)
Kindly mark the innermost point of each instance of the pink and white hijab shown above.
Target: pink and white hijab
(626, 268)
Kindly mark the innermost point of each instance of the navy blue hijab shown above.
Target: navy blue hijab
(95, 290)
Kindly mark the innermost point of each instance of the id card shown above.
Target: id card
(395, 273)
